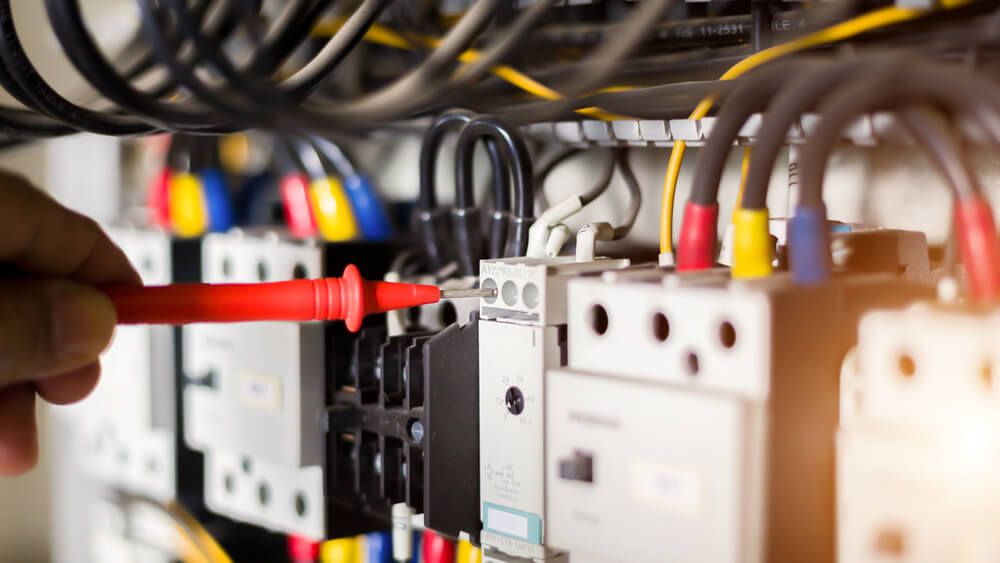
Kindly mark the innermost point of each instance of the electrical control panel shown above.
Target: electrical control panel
(517, 281)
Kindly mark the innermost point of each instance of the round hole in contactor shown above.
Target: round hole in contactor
(907, 367)
(152, 465)
(530, 295)
(299, 272)
(509, 293)
(246, 465)
(229, 483)
(447, 314)
(227, 267)
(691, 363)
(300, 504)
(727, 334)
(262, 271)
(661, 327)
(263, 494)
(599, 319)
(890, 542)
(489, 283)
(147, 265)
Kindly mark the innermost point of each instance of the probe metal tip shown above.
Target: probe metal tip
(474, 292)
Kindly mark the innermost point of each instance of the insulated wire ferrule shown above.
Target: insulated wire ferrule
(977, 238)
(696, 244)
(751, 244)
(809, 245)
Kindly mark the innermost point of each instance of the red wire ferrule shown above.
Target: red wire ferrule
(977, 239)
(158, 199)
(437, 549)
(696, 245)
(298, 210)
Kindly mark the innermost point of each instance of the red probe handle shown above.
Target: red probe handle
(349, 298)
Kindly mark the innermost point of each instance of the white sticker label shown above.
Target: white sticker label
(666, 486)
(507, 523)
(261, 391)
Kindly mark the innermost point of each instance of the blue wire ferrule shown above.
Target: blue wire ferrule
(218, 200)
(368, 209)
(809, 245)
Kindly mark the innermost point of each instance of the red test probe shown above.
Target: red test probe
(349, 298)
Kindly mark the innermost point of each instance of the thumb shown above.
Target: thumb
(51, 326)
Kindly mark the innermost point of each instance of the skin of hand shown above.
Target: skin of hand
(54, 323)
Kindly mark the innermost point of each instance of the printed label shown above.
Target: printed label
(260, 391)
(675, 488)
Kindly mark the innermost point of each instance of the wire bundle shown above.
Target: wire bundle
(927, 97)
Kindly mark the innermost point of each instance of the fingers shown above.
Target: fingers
(43, 237)
(69, 387)
(50, 327)
(18, 432)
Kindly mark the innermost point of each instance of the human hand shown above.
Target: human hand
(53, 322)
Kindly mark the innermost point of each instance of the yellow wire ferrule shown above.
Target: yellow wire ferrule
(343, 550)
(334, 215)
(187, 205)
(751, 244)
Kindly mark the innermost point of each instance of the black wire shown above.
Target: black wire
(751, 97)
(932, 132)
(546, 169)
(609, 55)
(510, 39)
(603, 181)
(70, 29)
(901, 83)
(432, 221)
(67, 22)
(254, 97)
(403, 96)
(635, 193)
(515, 154)
(799, 95)
(36, 93)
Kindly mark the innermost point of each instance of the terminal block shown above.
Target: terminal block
(697, 415)
(255, 392)
(521, 335)
(403, 428)
(917, 445)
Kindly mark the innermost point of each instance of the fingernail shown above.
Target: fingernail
(83, 320)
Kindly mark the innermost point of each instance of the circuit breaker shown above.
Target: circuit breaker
(693, 420)
(125, 430)
(521, 335)
(254, 394)
(918, 442)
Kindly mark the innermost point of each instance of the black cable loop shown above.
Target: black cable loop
(518, 159)
(37, 93)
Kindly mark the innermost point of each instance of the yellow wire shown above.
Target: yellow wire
(838, 32)
(384, 36)
(743, 180)
(214, 551)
